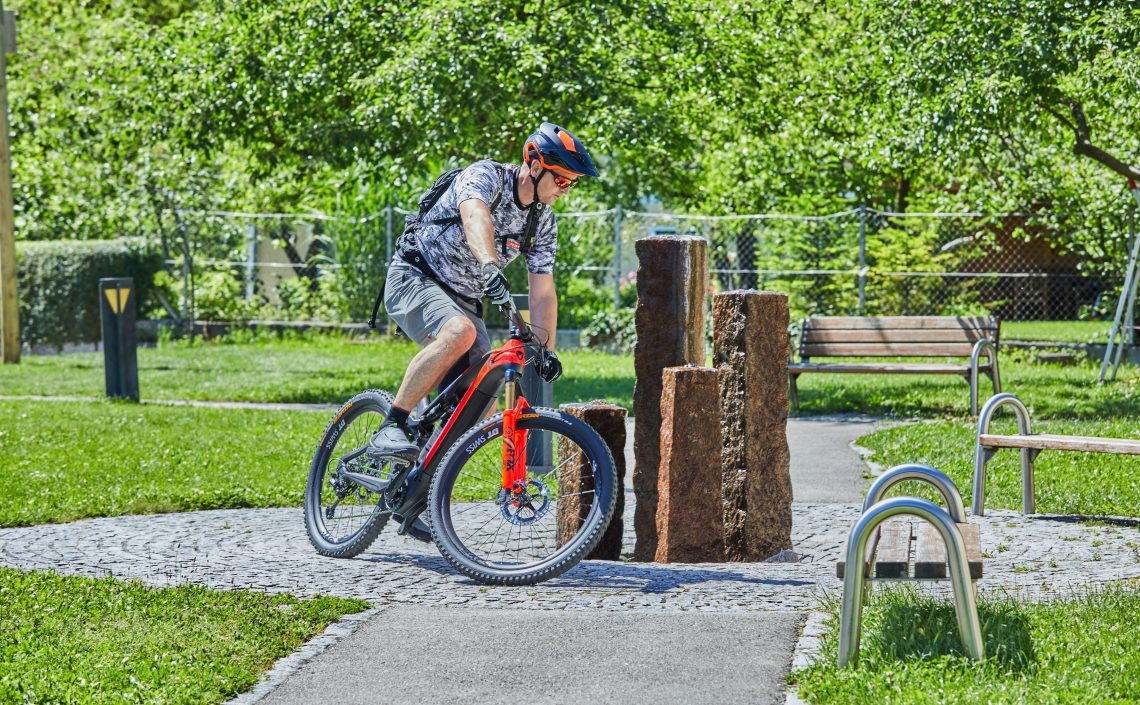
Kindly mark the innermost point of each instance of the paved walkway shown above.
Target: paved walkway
(646, 632)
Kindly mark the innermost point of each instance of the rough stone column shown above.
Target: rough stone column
(609, 421)
(672, 283)
(690, 505)
(750, 348)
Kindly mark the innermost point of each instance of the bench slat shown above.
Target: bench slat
(892, 559)
(889, 547)
(872, 549)
(1044, 441)
(900, 322)
(938, 335)
(930, 560)
(905, 548)
(886, 349)
(910, 368)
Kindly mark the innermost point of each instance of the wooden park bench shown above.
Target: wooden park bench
(1031, 445)
(899, 336)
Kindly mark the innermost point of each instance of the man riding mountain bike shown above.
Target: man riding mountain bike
(451, 255)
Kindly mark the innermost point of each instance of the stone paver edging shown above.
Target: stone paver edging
(283, 668)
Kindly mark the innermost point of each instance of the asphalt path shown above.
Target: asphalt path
(429, 655)
(434, 656)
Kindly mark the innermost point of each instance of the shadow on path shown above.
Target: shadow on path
(643, 577)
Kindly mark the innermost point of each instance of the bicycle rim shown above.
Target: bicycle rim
(532, 537)
(340, 513)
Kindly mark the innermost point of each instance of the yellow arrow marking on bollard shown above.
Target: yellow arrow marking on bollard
(119, 302)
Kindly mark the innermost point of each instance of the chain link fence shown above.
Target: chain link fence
(241, 266)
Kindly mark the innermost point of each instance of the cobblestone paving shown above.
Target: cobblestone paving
(268, 550)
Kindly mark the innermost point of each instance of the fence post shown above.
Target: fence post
(617, 257)
(187, 274)
(389, 210)
(862, 280)
(250, 259)
(388, 236)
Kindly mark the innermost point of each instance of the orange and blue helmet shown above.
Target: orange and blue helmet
(559, 151)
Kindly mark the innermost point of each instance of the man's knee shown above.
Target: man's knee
(459, 332)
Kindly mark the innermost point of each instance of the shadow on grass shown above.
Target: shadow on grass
(1092, 520)
(925, 628)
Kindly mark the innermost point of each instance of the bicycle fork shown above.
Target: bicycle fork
(514, 443)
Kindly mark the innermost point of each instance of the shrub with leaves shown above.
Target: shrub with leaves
(612, 330)
(58, 285)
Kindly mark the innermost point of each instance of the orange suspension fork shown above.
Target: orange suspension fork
(514, 444)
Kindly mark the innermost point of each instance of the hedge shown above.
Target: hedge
(58, 284)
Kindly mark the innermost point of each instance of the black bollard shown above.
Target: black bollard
(120, 346)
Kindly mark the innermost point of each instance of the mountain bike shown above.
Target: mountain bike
(512, 499)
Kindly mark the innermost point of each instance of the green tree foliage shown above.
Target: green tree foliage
(124, 109)
(1034, 98)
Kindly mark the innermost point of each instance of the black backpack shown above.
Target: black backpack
(438, 188)
(407, 241)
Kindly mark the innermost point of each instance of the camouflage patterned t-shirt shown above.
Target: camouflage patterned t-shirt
(445, 246)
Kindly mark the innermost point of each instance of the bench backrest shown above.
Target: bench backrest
(895, 336)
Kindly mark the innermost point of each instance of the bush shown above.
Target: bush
(582, 301)
(613, 331)
(301, 300)
(219, 293)
(58, 284)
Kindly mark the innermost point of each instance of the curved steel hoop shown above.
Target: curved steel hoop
(990, 349)
(965, 601)
(926, 473)
(982, 455)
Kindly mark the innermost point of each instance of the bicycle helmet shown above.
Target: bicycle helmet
(559, 151)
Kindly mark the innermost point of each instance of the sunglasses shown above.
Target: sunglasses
(563, 182)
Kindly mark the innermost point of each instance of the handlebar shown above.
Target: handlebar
(518, 327)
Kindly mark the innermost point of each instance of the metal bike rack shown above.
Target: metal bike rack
(965, 602)
(982, 454)
(875, 512)
(915, 471)
(991, 355)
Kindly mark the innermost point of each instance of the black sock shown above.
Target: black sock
(398, 416)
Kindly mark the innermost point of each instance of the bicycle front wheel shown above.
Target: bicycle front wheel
(536, 535)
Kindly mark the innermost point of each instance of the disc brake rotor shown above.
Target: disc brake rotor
(526, 506)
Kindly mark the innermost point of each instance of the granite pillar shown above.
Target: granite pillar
(690, 505)
(609, 421)
(750, 349)
(672, 284)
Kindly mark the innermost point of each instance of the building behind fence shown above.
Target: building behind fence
(857, 262)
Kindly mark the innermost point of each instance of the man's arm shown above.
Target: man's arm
(479, 229)
(544, 307)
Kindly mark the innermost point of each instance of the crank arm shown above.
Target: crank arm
(368, 482)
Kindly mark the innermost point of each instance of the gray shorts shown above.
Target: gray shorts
(420, 307)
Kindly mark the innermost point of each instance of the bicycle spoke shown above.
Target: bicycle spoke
(536, 529)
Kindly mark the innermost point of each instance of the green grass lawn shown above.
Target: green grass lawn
(1050, 390)
(1080, 650)
(61, 461)
(1066, 482)
(1057, 331)
(83, 640)
(317, 368)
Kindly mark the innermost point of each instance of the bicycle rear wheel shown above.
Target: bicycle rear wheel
(570, 499)
(341, 517)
